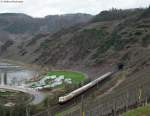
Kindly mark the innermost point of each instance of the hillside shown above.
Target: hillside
(17, 27)
(96, 47)
(92, 45)
(21, 23)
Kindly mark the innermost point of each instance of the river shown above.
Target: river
(17, 76)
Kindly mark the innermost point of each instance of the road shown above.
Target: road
(38, 97)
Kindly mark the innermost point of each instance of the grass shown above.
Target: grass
(141, 111)
(76, 77)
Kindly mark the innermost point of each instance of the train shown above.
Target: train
(68, 97)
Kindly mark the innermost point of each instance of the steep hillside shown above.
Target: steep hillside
(20, 23)
(17, 27)
(97, 45)
(115, 14)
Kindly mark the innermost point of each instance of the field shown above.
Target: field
(76, 77)
(58, 79)
(141, 111)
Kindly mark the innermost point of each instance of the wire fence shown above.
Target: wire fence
(116, 103)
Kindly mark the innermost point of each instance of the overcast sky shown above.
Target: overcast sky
(40, 8)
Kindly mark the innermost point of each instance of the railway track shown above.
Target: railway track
(126, 96)
(78, 98)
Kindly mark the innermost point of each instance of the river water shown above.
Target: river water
(18, 76)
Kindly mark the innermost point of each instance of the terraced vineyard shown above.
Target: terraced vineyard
(131, 93)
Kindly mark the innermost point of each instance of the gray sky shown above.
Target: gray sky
(40, 8)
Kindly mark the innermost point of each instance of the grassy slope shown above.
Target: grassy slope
(141, 111)
(76, 77)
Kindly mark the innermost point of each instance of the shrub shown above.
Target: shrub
(44, 45)
(97, 33)
(138, 33)
(146, 40)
